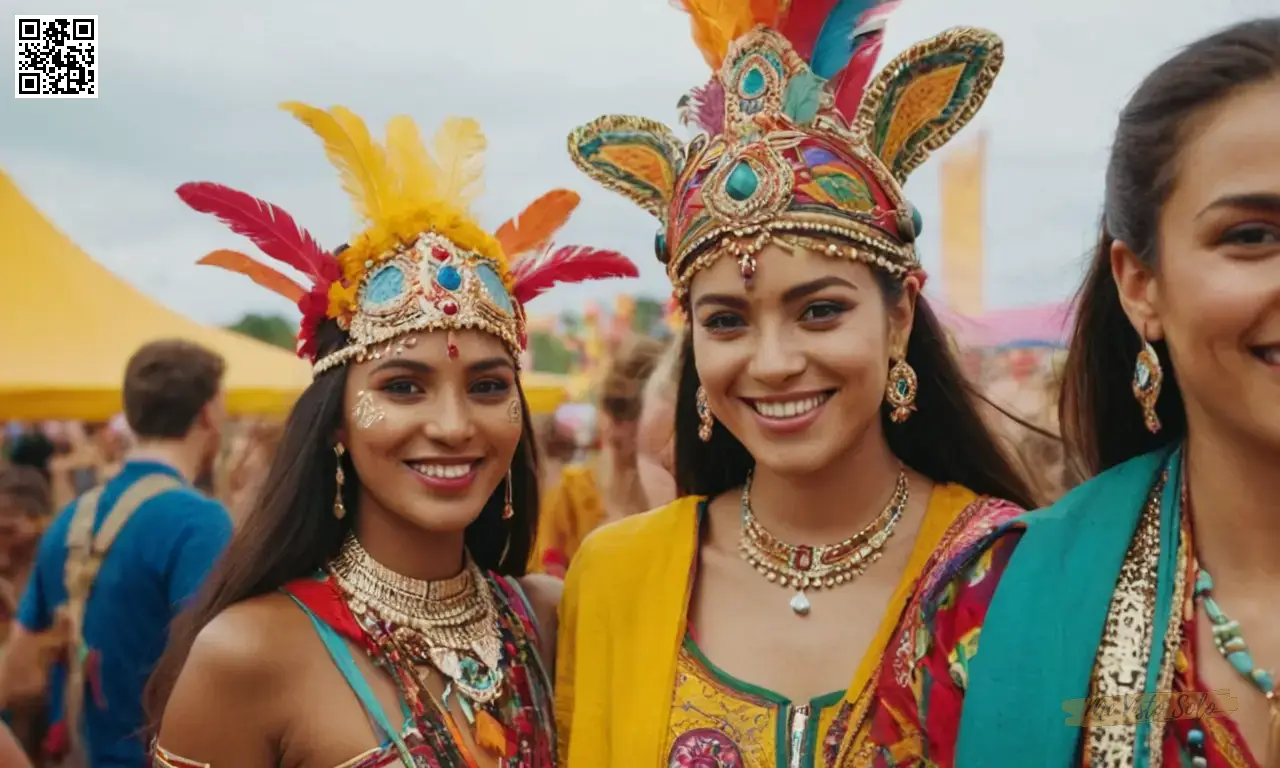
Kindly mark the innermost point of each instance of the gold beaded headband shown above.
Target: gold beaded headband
(421, 263)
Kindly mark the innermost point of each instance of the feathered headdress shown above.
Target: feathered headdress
(421, 263)
(800, 143)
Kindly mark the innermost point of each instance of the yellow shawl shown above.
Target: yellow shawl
(623, 617)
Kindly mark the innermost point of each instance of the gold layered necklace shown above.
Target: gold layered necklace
(451, 624)
(803, 567)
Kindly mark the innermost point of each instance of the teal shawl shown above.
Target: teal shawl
(1047, 617)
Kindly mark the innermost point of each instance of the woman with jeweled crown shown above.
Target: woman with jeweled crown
(372, 610)
(825, 437)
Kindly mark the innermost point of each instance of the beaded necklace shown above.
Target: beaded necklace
(1230, 642)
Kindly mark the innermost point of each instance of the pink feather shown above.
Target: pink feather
(569, 264)
(850, 85)
(268, 226)
(704, 107)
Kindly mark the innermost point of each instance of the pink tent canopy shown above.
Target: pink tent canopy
(1047, 325)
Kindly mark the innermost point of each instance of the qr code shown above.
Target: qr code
(57, 57)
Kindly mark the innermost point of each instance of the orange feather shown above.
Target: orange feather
(265, 276)
(533, 228)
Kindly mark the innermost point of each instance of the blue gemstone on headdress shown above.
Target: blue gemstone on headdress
(917, 220)
(753, 83)
(385, 285)
(449, 278)
(493, 285)
(660, 246)
(742, 182)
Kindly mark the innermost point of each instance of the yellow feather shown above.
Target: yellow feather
(459, 149)
(361, 162)
(417, 173)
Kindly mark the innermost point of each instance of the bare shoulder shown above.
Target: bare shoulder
(218, 711)
(544, 593)
(249, 641)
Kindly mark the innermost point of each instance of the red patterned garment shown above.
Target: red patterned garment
(917, 720)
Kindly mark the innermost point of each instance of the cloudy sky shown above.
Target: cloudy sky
(188, 91)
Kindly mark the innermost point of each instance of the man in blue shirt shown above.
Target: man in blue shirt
(154, 561)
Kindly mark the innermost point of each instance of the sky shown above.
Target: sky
(188, 91)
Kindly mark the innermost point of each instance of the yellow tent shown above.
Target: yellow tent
(68, 326)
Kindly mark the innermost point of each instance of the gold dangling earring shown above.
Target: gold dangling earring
(339, 509)
(1148, 377)
(901, 390)
(705, 419)
(508, 511)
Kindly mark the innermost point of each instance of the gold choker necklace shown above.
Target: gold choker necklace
(451, 624)
(804, 567)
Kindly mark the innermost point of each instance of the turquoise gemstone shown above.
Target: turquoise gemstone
(1144, 376)
(1195, 737)
(753, 83)
(1242, 661)
(1264, 679)
(493, 286)
(449, 278)
(742, 182)
(917, 220)
(660, 246)
(903, 387)
(385, 285)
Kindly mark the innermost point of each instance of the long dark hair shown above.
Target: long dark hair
(945, 440)
(1101, 422)
(296, 506)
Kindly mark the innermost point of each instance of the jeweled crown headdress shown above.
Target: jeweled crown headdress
(421, 263)
(799, 145)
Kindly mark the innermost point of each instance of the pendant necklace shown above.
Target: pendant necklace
(802, 567)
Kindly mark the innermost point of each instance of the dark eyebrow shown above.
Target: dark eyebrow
(813, 286)
(1258, 201)
(488, 364)
(722, 299)
(411, 365)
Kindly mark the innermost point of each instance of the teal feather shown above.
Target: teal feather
(803, 97)
(834, 46)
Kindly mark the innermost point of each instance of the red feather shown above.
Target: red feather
(850, 85)
(268, 226)
(570, 264)
(803, 24)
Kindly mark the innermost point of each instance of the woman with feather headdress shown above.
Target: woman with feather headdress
(373, 607)
(825, 436)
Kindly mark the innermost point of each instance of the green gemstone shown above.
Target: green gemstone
(903, 387)
(742, 182)
(753, 83)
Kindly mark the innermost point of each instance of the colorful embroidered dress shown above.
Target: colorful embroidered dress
(420, 729)
(927, 694)
(634, 689)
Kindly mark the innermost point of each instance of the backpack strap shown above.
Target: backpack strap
(85, 553)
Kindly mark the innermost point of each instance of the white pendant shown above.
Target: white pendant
(800, 604)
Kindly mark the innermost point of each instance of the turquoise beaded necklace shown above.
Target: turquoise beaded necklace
(1229, 641)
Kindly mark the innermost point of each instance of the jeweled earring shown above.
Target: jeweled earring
(705, 419)
(901, 391)
(508, 511)
(1148, 377)
(339, 509)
